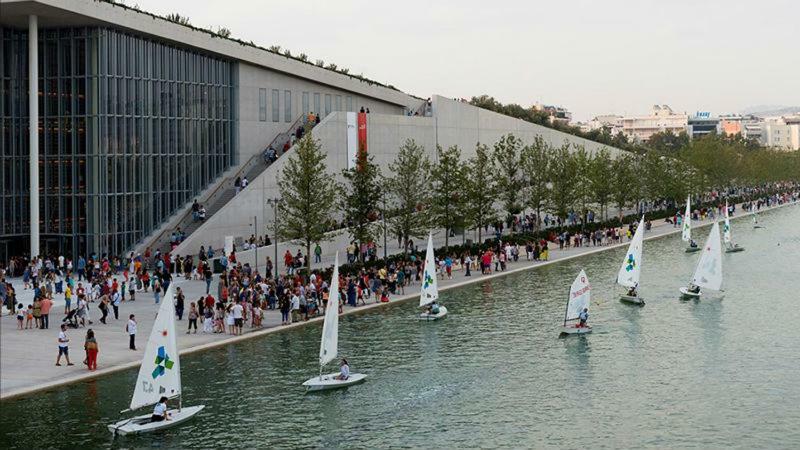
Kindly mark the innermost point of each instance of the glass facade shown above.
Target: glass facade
(130, 130)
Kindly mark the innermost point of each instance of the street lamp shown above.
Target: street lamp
(274, 203)
(383, 216)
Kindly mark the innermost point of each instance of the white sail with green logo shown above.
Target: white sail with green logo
(430, 290)
(631, 269)
(726, 227)
(160, 372)
(687, 221)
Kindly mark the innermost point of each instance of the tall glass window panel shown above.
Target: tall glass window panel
(287, 106)
(328, 106)
(262, 105)
(276, 105)
(306, 105)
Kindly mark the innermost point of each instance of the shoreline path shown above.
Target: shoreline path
(27, 357)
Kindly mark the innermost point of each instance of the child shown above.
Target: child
(256, 317)
(29, 317)
(208, 320)
(20, 315)
(385, 296)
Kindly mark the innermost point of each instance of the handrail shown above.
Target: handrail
(243, 169)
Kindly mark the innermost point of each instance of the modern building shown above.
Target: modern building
(702, 124)
(555, 113)
(611, 122)
(782, 133)
(661, 119)
(124, 118)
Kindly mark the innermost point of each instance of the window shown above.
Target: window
(287, 106)
(327, 104)
(276, 105)
(338, 103)
(317, 105)
(262, 105)
(305, 103)
(349, 100)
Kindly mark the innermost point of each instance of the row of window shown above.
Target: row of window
(306, 104)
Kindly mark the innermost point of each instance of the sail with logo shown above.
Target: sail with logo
(730, 246)
(708, 273)
(631, 270)
(429, 293)
(159, 375)
(686, 233)
(580, 294)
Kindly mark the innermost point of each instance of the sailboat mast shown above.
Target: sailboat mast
(566, 309)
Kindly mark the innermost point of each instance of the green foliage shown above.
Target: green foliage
(409, 190)
(309, 195)
(600, 175)
(480, 190)
(449, 201)
(625, 181)
(506, 161)
(668, 142)
(563, 179)
(359, 201)
(535, 166)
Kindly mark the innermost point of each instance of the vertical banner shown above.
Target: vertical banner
(352, 140)
(362, 132)
(228, 245)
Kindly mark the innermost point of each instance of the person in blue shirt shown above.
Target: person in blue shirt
(584, 317)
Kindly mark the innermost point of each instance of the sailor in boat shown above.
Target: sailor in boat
(692, 243)
(433, 308)
(584, 317)
(632, 291)
(160, 411)
(693, 289)
(344, 370)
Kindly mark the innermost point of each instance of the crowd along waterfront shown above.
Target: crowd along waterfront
(711, 373)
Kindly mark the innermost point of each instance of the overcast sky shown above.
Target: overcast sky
(594, 57)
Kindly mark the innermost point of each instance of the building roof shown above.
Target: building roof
(73, 13)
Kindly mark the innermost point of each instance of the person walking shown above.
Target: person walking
(157, 291)
(103, 307)
(193, 314)
(45, 312)
(116, 298)
(91, 347)
(179, 303)
(131, 329)
(63, 346)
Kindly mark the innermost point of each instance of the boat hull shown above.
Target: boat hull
(142, 424)
(428, 316)
(635, 300)
(692, 249)
(734, 249)
(571, 329)
(329, 381)
(685, 293)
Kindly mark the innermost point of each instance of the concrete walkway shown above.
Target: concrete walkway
(27, 357)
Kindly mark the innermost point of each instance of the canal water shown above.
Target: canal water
(494, 374)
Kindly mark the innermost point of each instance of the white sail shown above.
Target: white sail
(709, 269)
(430, 290)
(329, 346)
(687, 221)
(579, 297)
(631, 269)
(726, 228)
(160, 372)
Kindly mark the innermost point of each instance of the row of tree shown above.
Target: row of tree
(453, 193)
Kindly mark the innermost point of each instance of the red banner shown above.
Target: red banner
(362, 132)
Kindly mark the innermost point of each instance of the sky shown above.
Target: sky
(593, 57)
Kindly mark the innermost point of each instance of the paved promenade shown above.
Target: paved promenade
(27, 357)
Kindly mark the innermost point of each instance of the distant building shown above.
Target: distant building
(701, 124)
(661, 119)
(731, 125)
(782, 133)
(555, 113)
(612, 122)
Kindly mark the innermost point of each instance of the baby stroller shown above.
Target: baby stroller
(71, 319)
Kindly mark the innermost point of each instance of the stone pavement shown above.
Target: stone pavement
(27, 357)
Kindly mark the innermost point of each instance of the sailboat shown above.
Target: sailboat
(631, 269)
(329, 346)
(579, 296)
(429, 294)
(730, 246)
(708, 273)
(686, 235)
(159, 376)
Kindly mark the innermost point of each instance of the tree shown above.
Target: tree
(409, 188)
(600, 178)
(506, 160)
(624, 182)
(535, 167)
(449, 201)
(308, 193)
(480, 190)
(563, 173)
(583, 191)
(361, 195)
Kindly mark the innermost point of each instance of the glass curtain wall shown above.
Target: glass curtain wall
(130, 129)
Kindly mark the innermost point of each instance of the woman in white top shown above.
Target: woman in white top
(160, 411)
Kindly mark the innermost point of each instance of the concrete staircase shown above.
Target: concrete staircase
(217, 197)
